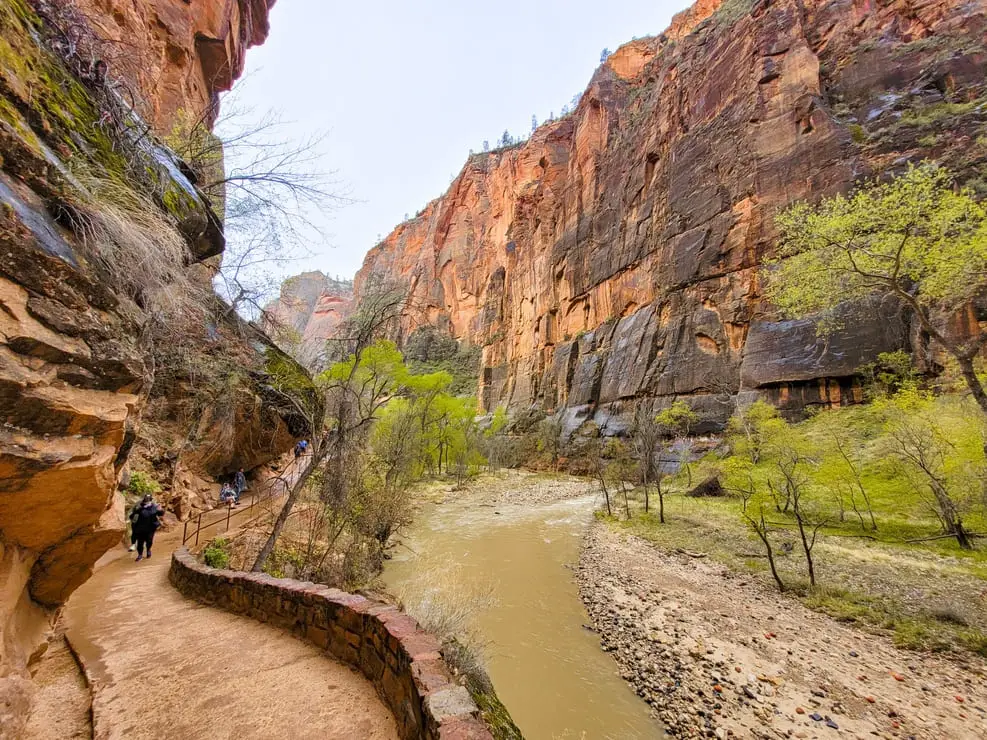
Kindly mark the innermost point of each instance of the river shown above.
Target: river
(512, 562)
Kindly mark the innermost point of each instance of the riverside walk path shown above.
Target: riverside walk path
(162, 666)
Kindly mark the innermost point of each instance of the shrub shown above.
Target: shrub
(217, 553)
(142, 484)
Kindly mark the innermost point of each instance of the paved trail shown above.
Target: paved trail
(163, 666)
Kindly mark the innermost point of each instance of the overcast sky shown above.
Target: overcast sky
(406, 89)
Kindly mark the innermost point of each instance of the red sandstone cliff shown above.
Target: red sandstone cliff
(309, 309)
(73, 370)
(176, 55)
(614, 254)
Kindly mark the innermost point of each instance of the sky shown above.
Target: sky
(403, 90)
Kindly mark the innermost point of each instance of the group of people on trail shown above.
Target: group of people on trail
(232, 490)
(146, 515)
(145, 518)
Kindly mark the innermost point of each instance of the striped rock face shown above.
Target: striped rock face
(615, 254)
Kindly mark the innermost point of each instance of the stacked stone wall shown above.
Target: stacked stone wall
(403, 662)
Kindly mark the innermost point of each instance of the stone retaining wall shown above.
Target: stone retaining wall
(386, 645)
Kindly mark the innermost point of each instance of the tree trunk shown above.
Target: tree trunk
(972, 381)
(272, 540)
(806, 547)
(762, 533)
(950, 516)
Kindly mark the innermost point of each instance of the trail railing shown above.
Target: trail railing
(270, 489)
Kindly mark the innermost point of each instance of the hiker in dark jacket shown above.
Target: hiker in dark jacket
(132, 518)
(239, 483)
(148, 520)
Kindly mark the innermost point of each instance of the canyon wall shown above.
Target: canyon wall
(88, 210)
(176, 56)
(614, 255)
(307, 311)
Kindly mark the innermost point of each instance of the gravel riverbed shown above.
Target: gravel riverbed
(718, 654)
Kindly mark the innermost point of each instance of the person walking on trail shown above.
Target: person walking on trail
(147, 521)
(239, 483)
(132, 516)
(300, 448)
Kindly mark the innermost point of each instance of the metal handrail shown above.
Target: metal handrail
(257, 499)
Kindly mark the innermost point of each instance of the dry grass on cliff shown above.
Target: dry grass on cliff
(127, 236)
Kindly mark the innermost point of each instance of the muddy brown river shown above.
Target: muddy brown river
(510, 565)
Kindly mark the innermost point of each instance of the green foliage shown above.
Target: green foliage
(428, 350)
(930, 115)
(753, 429)
(286, 562)
(858, 133)
(915, 237)
(142, 483)
(890, 373)
(217, 553)
(881, 487)
(731, 11)
(678, 419)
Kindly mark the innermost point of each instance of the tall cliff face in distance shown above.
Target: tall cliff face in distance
(307, 311)
(74, 375)
(614, 255)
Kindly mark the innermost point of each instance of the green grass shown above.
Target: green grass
(845, 567)
(929, 115)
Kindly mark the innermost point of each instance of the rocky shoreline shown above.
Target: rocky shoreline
(716, 654)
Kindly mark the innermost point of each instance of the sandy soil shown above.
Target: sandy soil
(61, 706)
(163, 666)
(717, 654)
(513, 487)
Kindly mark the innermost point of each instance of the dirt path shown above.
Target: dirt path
(163, 666)
(60, 710)
(719, 655)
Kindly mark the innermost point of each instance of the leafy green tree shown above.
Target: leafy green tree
(915, 238)
(841, 467)
(939, 446)
(756, 503)
(338, 404)
(752, 429)
(791, 485)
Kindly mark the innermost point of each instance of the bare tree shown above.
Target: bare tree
(791, 487)
(655, 436)
(753, 512)
(646, 437)
(268, 186)
(924, 447)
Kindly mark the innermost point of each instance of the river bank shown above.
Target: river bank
(718, 654)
